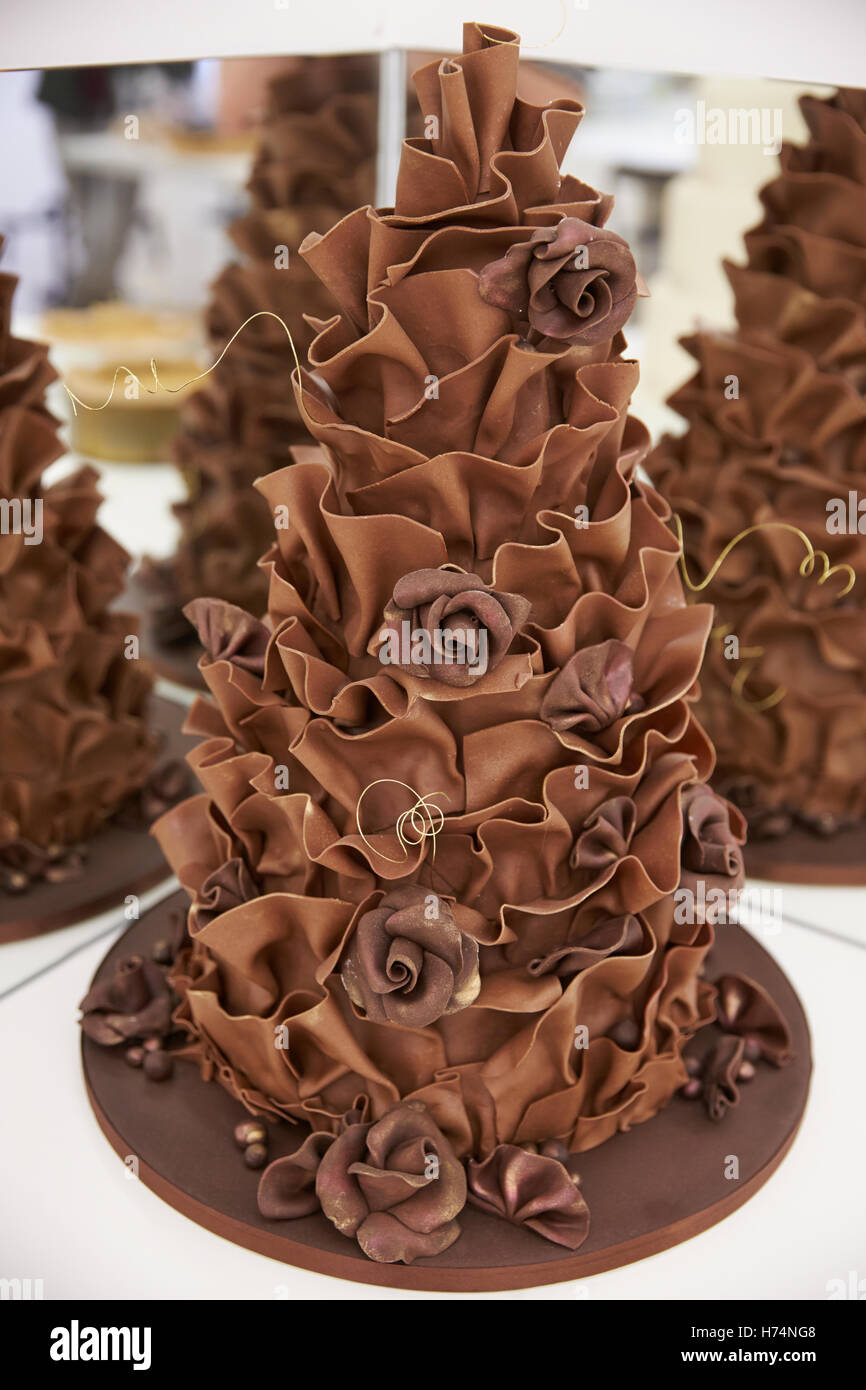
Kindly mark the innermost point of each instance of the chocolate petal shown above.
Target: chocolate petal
(709, 845)
(504, 282)
(384, 1238)
(467, 981)
(227, 633)
(287, 1187)
(530, 1190)
(427, 585)
(745, 1008)
(125, 990)
(592, 690)
(224, 888)
(340, 1196)
(720, 1076)
(607, 836)
(384, 1188)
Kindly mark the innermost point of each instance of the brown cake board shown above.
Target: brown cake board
(803, 857)
(173, 661)
(656, 1186)
(119, 860)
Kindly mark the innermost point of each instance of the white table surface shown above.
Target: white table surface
(72, 1215)
(21, 961)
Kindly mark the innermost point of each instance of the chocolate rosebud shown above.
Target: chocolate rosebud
(530, 1189)
(408, 962)
(396, 1186)
(709, 844)
(227, 887)
(593, 690)
(133, 1002)
(573, 282)
(227, 633)
(451, 627)
(744, 1008)
(607, 836)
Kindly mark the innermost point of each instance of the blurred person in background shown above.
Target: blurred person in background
(33, 192)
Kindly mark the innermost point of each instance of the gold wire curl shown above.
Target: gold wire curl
(173, 390)
(420, 816)
(805, 569)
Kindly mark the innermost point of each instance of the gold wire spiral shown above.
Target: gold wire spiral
(419, 816)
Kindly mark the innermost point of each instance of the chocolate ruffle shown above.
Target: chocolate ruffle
(788, 718)
(450, 445)
(74, 743)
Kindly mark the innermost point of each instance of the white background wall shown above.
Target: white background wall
(795, 39)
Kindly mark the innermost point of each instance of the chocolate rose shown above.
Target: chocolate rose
(573, 282)
(408, 962)
(449, 626)
(613, 936)
(745, 1009)
(396, 1186)
(593, 690)
(228, 633)
(720, 1072)
(134, 1002)
(607, 836)
(227, 887)
(530, 1189)
(709, 844)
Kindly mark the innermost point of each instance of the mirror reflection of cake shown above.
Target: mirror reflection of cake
(104, 353)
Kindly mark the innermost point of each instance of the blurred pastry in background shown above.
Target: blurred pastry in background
(104, 354)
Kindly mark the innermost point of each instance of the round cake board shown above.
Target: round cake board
(803, 857)
(653, 1187)
(120, 860)
(174, 661)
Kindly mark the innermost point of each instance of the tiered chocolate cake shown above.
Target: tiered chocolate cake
(315, 162)
(448, 874)
(74, 741)
(777, 434)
